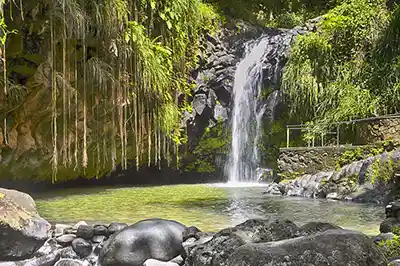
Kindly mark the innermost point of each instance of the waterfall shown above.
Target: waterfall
(247, 113)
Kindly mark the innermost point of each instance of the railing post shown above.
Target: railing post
(337, 136)
(287, 136)
(322, 139)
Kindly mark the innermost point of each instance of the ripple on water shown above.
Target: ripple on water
(210, 207)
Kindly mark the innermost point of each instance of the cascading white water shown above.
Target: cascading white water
(247, 114)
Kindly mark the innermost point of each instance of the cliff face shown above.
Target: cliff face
(102, 119)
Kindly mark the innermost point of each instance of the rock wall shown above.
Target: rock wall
(309, 161)
(380, 130)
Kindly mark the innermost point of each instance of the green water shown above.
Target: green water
(209, 207)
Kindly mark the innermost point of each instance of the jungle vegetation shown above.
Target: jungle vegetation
(113, 76)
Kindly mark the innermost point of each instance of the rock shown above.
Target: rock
(115, 227)
(60, 228)
(220, 247)
(273, 189)
(82, 247)
(22, 230)
(76, 226)
(317, 227)
(199, 103)
(383, 237)
(392, 210)
(85, 232)
(178, 260)
(149, 239)
(153, 262)
(220, 113)
(68, 253)
(47, 260)
(332, 247)
(70, 262)
(65, 240)
(100, 230)
(8, 263)
(388, 224)
(395, 262)
(50, 246)
(70, 231)
(189, 232)
(98, 239)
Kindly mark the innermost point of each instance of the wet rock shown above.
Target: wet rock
(78, 224)
(65, 240)
(332, 247)
(100, 230)
(68, 253)
(317, 227)
(388, 224)
(70, 231)
(50, 246)
(149, 239)
(60, 228)
(47, 260)
(392, 210)
(22, 230)
(98, 239)
(224, 243)
(82, 247)
(115, 227)
(85, 232)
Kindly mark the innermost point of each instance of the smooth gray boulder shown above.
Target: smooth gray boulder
(149, 239)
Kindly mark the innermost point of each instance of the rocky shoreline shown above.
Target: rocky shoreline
(159, 242)
(357, 181)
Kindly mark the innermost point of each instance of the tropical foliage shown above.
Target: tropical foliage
(115, 69)
(348, 68)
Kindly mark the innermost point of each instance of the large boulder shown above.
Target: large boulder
(22, 230)
(332, 247)
(217, 251)
(149, 239)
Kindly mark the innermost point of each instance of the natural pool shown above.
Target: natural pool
(209, 207)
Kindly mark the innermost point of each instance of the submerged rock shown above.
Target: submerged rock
(333, 247)
(22, 230)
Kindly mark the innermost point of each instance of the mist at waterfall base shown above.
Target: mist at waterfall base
(247, 116)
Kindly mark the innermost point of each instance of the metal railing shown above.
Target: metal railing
(311, 143)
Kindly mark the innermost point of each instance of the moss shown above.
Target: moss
(390, 248)
(2, 195)
(214, 141)
(382, 171)
(361, 153)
